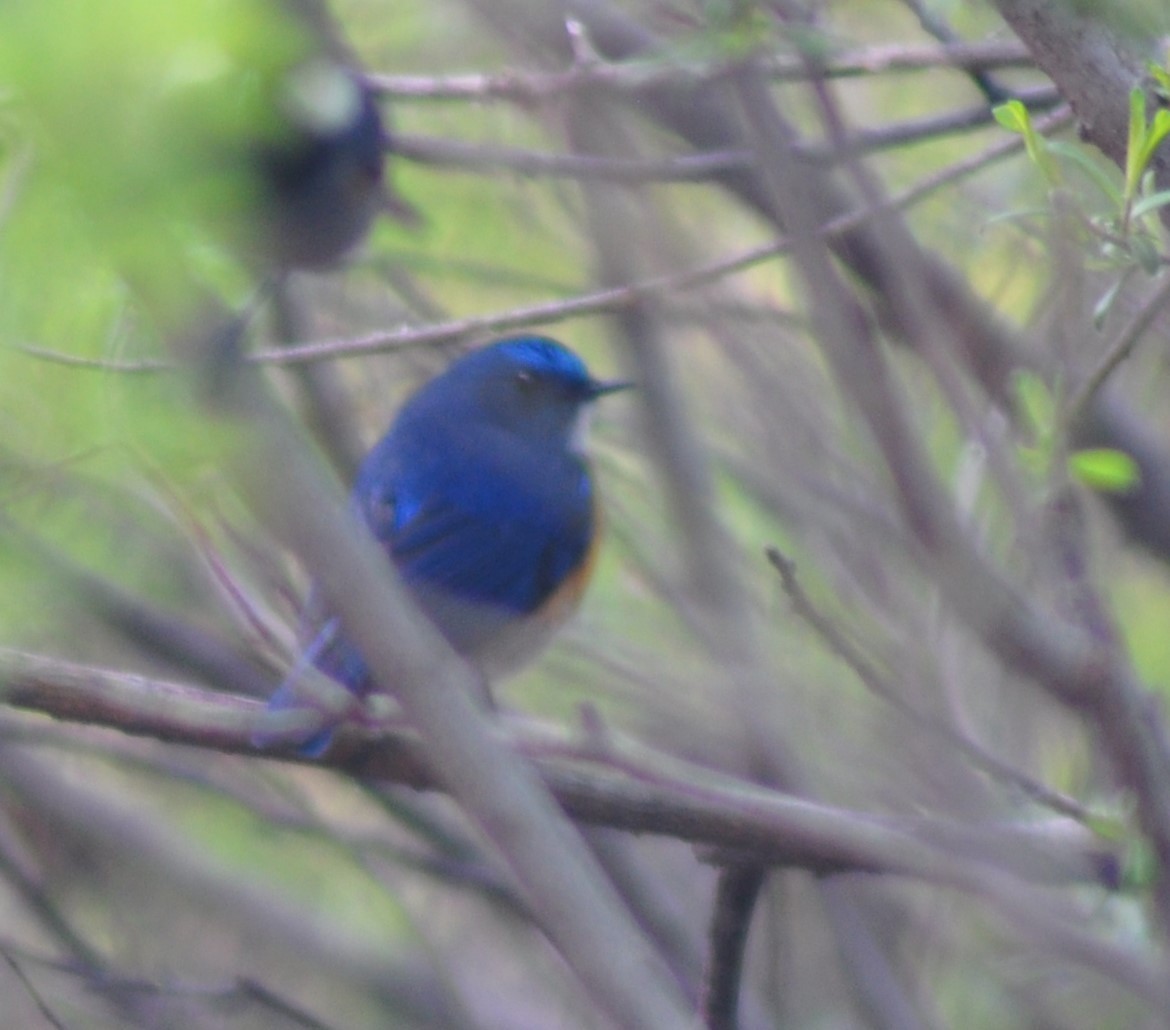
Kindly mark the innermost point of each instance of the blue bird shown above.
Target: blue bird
(482, 497)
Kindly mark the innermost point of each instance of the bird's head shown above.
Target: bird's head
(530, 386)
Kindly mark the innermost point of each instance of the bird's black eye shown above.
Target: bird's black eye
(526, 381)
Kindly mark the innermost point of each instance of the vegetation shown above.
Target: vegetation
(863, 720)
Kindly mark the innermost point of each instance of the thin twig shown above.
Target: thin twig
(447, 153)
(932, 21)
(1120, 348)
(149, 366)
(243, 988)
(455, 154)
(734, 812)
(33, 993)
(609, 300)
(736, 892)
(85, 955)
(628, 786)
(87, 960)
(1032, 641)
(596, 302)
(838, 644)
(529, 87)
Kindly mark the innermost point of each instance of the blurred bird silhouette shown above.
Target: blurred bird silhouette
(322, 183)
(320, 178)
(481, 496)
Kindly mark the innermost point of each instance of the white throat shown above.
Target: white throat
(579, 436)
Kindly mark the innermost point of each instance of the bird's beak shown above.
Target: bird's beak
(599, 387)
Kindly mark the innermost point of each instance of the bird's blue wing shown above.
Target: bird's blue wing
(513, 565)
(489, 542)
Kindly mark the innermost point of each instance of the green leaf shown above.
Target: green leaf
(1022, 214)
(1133, 148)
(1105, 469)
(1161, 79)
(1036, 403)
(1088, 163)
(1140, 869)
(1105, 303)
(1145, 252)
(1158, 130)
(1151, 203)
(1111, 826)
(1013, 116)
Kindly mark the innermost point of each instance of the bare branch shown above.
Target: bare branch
(481, 158)
(1068, 664)
(30, 988)
(620, 297)
(1093, 66)
(529, 87)
(692, 806)
(625, 786)
(839, 644)
(731, 916)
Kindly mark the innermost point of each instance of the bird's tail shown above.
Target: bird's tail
(291, 695)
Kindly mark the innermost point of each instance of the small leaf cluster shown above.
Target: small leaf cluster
(1120, 217)
(1104, 469)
